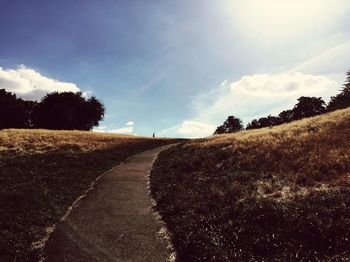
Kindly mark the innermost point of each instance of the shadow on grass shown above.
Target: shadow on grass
(217, 215)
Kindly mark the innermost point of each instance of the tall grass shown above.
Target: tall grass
(42, 141)
(272, 194)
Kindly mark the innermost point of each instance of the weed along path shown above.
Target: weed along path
(114, 221)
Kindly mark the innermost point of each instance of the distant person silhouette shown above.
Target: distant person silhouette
(154, 135)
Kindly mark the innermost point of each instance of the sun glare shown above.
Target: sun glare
(283, 20)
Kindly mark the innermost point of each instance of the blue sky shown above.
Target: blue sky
(177, 68)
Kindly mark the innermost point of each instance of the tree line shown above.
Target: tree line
(58, 111)
(305, 107)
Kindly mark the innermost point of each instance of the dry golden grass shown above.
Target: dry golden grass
(272, 194)
(316, 149)
(42, 172)
(42, 140)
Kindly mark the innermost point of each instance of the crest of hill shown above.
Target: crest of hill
(339, 118)
(316, 147)
(271, 194)
(42, 140)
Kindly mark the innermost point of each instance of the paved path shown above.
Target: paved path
(115, 221)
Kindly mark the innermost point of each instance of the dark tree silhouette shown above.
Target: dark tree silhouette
(253, 125)
(341, 100)
(231, 125)
(264, 122)
(12, 111)
(308, 106)
(68, 111)
(269, 121)
(286, 116)
(92, 113)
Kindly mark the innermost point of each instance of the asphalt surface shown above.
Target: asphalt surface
(114, 221)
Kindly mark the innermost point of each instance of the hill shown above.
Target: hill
(43, 172)
(271, 194)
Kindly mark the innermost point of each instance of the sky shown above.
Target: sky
(176, 68)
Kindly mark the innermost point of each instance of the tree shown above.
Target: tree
(12, 111)
(268, 121)
(92, 113)
(253, 125)
(264, 122)
(231, 125)
(286, 116)
(68, 111)
(341, 100)
(308, 106)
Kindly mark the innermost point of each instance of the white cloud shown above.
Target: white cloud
(123, 130)
(253, 96)
(100, 129)
(127, 129)
(30, 84)
(262, 94)
(196, 129)
(281, 85)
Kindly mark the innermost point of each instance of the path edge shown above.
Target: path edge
(39, 245)
(163, 233)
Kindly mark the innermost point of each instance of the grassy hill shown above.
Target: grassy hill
(43, 172)
(272, 194)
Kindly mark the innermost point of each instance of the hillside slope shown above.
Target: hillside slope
(42, 173)
(272, 194)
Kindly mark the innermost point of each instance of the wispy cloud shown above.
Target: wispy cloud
(333, 60)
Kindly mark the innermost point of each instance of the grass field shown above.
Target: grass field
(272, 194)
(41, 174)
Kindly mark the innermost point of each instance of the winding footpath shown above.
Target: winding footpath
(114, 221)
